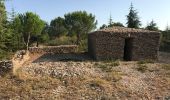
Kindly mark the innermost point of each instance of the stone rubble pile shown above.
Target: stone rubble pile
(59, 69)
(5, 66)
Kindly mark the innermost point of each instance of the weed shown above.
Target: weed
(114, 76)
(142, 68)
(107, 65)
(145, 61)
(166, 66)
(115, 63)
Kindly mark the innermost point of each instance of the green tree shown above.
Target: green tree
(80, 22)
(3, 20)
(103, 26)
(44, 37)
(133, 18)
(17, 31)
(118, 24)
(110, 24)
(31, 25)
(152, 26)
(58, 27)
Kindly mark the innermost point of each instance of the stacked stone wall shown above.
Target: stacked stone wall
(54, 49)
(110, 44)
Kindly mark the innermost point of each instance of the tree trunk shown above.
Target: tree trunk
(28, 40)
(78, 39)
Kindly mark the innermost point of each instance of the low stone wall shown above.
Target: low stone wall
(54, 49)
(5, 67)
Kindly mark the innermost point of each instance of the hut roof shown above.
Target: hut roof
(125, 30)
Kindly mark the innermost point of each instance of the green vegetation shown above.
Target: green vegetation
(152, 26)
(114, 76)
(107, 66)
(145, 61)
(133, 18)
(165, 40)
(166, 66)
(111, 24)
(142, 68)
(20, 31)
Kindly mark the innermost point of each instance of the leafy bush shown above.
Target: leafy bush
(83, 45)
(64, 40)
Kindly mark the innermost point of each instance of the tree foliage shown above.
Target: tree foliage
(57, 27)
(133, 18)
(79, 23)
(3, 20)
(3, 29)
(31, 25)
(152, 26)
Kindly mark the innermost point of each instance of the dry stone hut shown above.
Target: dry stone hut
(124, 44)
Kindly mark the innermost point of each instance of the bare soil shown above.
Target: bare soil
(77, 77)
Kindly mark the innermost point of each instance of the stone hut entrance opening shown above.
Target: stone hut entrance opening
(128, 49)
(124, 43)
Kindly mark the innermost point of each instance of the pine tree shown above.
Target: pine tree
(110, 21)
(152, 26)
(3, 29)
(133, 18)
(3, 19)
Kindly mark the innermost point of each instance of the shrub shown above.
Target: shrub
(115, 63)
(64, 40)
(166, 66)
(145, 61)
(107, 66)
(142, 68)
(114, 76)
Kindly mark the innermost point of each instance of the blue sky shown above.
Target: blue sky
(158, 10)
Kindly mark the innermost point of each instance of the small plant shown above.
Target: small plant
(142, 68)
(107, 65)
(166, 66)
(115, 63)
(97, 82)
(145, 61)
(114, 76)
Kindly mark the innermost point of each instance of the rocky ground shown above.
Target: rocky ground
(50, 77)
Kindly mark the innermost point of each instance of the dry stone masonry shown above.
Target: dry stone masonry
(124, 44)
(54, 49)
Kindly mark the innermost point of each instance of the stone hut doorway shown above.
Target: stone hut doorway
(128, 49)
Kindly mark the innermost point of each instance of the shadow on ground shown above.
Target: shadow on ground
(63, 57)
(163, 57)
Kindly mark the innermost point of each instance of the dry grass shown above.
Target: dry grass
(114, 76)
(13, 87)
(145, 61)
(98, 80)
(166, 66)
(142, 68)
(107, 66)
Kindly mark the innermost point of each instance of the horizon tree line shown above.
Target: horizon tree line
(21, 30)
